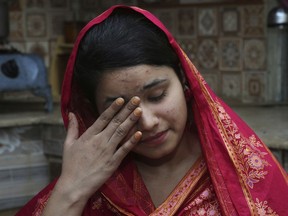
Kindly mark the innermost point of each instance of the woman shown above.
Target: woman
(147, 136)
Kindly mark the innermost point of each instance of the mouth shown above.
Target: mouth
(156, 139)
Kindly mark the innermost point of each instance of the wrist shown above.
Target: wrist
(72, 194)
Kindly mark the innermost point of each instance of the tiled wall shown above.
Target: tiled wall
(226, 42)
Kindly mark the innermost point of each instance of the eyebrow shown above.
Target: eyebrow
(153, 83)
(149, 85)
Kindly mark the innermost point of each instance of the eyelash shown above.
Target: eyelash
(158, 98)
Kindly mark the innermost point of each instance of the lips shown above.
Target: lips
(155, 139)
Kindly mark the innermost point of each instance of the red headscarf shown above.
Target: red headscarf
(246, 177)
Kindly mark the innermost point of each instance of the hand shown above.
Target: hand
(89, 160)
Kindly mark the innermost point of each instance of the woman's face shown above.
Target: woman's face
(164, 111)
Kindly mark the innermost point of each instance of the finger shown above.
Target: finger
(122, 116)
(123, 129)
(72, 132)
(105, 118)
(123, 150)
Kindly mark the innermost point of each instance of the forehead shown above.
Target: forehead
(132, 78)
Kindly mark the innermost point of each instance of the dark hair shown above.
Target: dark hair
(126, 38)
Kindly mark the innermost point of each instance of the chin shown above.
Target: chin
(156, 154)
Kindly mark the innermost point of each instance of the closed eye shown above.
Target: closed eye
(159, 97)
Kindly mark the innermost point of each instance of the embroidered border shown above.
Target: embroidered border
(263, 209)
(251, 159)
(41, 203)
(170, 206)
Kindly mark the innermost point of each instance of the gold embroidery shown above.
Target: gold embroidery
(97, 204)
(221, 124)
(170, 206)
(41, 203)
(205, 204)
(247, 150)
(263, 209)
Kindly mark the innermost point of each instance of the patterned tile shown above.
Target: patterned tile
(230, 21)
(148, 2)
(186, 22)
(254, 86)
(169, 18)
(253, 21)
(128, 2)
(15, 5)
(189, 45)
(59, 4)
(171, 2)
(231, 86)
(36, 25)
(230, 54)
(212, 79)
(108, 3)
(41, 48)
(86, 16)
(207, 54)
(36, 4)
(56, 24)
(207, 22)
(16, 26)
(199, 1)
(89, 4)
(158, 2)
(254, 54)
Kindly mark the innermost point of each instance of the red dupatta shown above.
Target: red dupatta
(246, 177)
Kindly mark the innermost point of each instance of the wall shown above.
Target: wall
(227, 42)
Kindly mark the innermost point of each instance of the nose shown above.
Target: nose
(148, 119)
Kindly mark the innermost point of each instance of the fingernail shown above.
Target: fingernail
(137, 112)
(70, 116)
(135, 101)
(120, 101)
(138, 135)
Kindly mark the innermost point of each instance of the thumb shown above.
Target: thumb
(72, 132)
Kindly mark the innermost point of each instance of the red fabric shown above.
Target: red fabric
(244, 175)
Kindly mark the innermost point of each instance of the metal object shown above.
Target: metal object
(278, 21)
(278, 17)
(25, 72)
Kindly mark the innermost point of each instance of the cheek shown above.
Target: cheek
(178, 110)
(175, 112)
